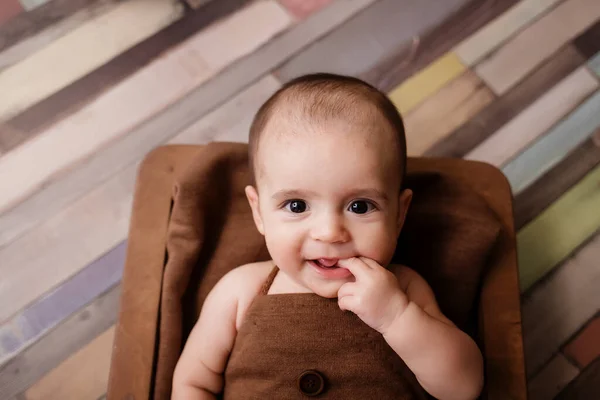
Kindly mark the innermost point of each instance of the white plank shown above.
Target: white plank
(512, 62)
(81, 51)
(147, 92)
(491, 36)
(26, 47)
(552, 379)
(130, 148)
(64, 244)
(536, 119)
(547, 151)
(560, 305)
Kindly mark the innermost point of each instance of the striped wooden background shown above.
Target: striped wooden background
(88, 87)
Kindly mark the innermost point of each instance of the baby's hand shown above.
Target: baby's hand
(375, 296)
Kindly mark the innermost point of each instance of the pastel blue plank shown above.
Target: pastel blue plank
(54, 307)
(594, 64)
(551, 148)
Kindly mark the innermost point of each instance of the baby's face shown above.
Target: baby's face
(327, 195)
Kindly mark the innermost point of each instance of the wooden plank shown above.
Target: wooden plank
(31, 324)
(407, 59)
(428, 81)
(107, 209)
(31, 80)
(149, 134)
(84, 375)
(560, 305)
(536, 119)
(585, 347)
(21, 50)
(586, 386)
(9, 9)
(449, 108)
(511, 63)
(594, 64)
(576, 165)
(588, 43)
(70, 99)
(552, 147)
(493, 117)
(30, 23)
(365, 41)
(146, 93)
(559, 230)
(303, 8)
(31, 4)
(37, 360)
(494, 34)
(552, 379)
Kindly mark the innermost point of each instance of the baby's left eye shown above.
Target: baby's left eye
(361, 207)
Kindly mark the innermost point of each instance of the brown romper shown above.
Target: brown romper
(291, 346)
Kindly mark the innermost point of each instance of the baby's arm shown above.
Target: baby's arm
(199, 371)
(445, 360)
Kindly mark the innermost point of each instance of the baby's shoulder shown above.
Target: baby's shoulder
(243, 284)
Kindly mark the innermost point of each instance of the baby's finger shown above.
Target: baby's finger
(347, 303)
(356, 266)
(371, 263)
(347, 289)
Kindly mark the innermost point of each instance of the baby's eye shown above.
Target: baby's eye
(296, 206)
(361, 207)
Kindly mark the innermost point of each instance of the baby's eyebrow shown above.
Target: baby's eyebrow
(292, 193)
(369, 193)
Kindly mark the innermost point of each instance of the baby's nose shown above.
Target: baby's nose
(330, 229)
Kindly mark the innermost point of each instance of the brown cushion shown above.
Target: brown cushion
(448, 235)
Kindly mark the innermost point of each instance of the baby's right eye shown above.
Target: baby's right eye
(296, 206)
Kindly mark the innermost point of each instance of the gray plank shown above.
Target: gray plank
(25, 369)
(560, 305)
(157, 130)
(367, 39)
(37, 319)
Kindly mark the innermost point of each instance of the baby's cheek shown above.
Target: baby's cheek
(378, 245)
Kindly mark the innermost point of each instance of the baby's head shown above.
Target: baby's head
(328, 157)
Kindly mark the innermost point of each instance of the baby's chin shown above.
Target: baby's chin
(329, 291)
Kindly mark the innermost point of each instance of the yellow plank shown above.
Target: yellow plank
(84, 375)
(425, 83)
(82, 50)
(445, 111)
(559, 230)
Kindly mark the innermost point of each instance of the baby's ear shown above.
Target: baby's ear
(252, 196)
(403, 205)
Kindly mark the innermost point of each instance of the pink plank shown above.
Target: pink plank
(585, 347)
(303, 8)
(8, 9)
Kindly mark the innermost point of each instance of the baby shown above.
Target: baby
(328, 315)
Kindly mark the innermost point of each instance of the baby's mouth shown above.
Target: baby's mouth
(326, 262)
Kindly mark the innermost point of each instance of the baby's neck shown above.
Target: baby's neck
(283, 284)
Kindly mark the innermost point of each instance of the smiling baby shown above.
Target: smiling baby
(328, 316)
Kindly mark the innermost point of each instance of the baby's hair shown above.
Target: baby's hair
(325, 97)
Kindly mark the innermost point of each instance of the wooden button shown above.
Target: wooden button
(311, 383)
